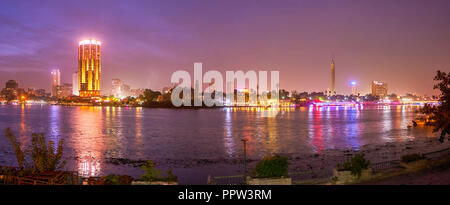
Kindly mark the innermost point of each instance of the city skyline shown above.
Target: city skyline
(146, 54)
(247, 94)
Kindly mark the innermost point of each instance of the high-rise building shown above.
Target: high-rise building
(56, 81)
(75, 87)
(333, 68)
(12, 85)
(125, 89)
(64, 91)
(89, 68)
(11, 90)
(116, 87)
(379, 89)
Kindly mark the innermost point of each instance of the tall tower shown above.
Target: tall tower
(75, 83)
(332, 77)
(379, 89)
(56, 81)
(89, 67)
(116, 87)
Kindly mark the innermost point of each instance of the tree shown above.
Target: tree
(440, 114)
(371, 98)
(355, 165)
(45, 156)
(272, 166)
(150, 95)
(20, 154)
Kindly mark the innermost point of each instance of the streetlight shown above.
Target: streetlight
(244, 141)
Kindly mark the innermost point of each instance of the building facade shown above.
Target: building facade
(56, 81)
(333, 75)
(89, 68)
(379, 89)
(64, 91)
(11, 90)
(116, 89)
(75, 88)
(12, 85)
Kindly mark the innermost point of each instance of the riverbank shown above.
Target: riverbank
(433, 173)
(196, 171)
(198, 144)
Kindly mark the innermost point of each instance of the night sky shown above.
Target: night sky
(401, 43)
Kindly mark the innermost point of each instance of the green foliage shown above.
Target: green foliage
(412, 158)
(170, 176)
(113, 179)
(150, 95)
(272, 166)
(44, 156)
(440, 115)
(153, 174)
(355, 165)
(20, 154)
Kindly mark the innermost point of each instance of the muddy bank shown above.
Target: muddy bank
(197, 170)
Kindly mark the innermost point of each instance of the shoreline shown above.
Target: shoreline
(196, 171)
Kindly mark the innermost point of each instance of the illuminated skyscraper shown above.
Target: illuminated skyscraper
(89, 68)
(379, 89)
(56, 81)
(75, 88)
(116, 87)
(333, 92)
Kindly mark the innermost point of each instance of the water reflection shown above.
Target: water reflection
(89, 143)
(138, 129)
(92, 134)
(316, 128)
(272, 125)
(228, 140)
(352, 133)
(54, 127)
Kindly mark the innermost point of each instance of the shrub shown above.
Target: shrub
(20, 154)
(412, 158)
(44, 155)
(170, 176)
(151, 173)
(113, 179)
(355, 165)
(272, 166)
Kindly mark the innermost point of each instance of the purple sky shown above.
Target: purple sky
(401, 43)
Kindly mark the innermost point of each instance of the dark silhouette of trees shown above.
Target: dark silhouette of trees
(440, 114)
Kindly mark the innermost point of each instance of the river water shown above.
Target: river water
(185, 140)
